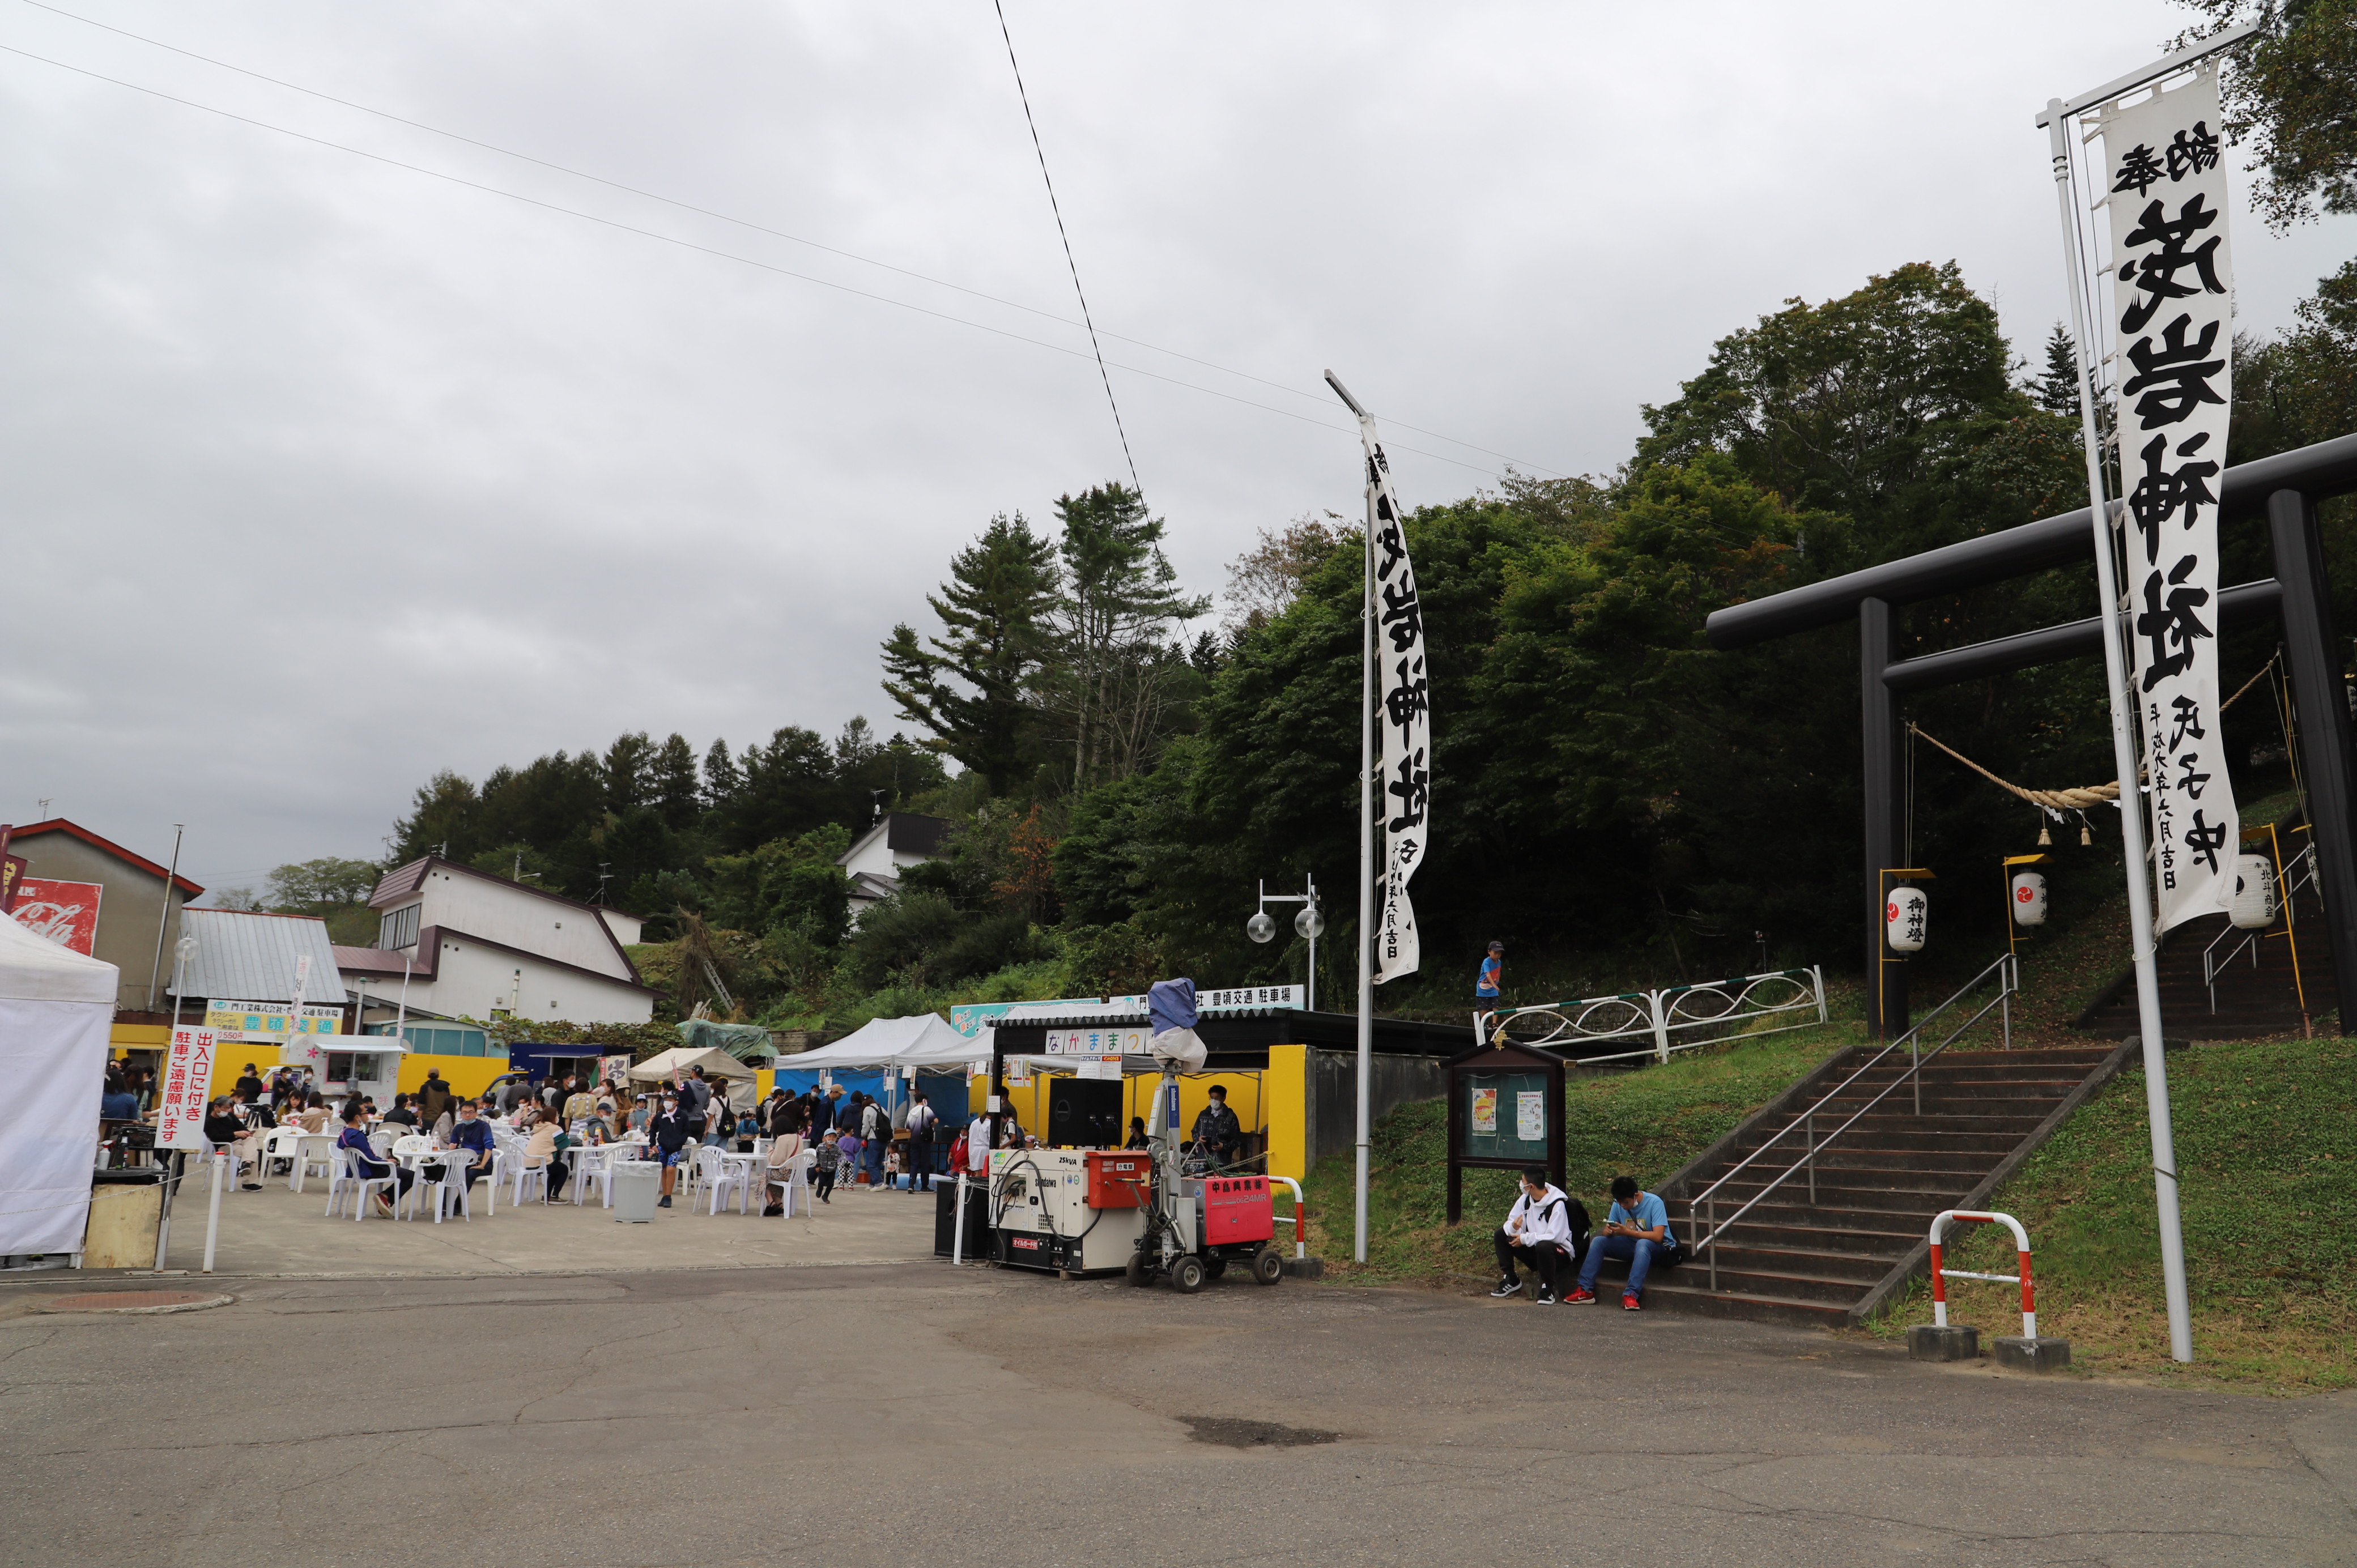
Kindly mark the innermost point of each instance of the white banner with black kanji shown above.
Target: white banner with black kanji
(1403, 685)
(2172, 282)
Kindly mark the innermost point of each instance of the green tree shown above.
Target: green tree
(444, 812)
(2287, 96)
(1111, 679)
(674, 783)
(328, 883)
(786, 884)
(969, 687)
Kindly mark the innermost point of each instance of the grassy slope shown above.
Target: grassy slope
(1645, 1124)
(2267, 1153)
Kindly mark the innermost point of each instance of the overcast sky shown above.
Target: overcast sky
(323, 474)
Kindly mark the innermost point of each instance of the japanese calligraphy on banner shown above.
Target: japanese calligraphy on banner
(2172, 282)
(188, 1082)
(1405, 706)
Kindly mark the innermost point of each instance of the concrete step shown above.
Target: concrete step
(1696, 1273)
(1863, 1268)
(1681, 1291)
(1851, 1189)
(1810, 1235)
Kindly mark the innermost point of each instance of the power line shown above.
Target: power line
(1317, 398)
(1067, 239)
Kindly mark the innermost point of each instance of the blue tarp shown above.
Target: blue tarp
(944, 1090)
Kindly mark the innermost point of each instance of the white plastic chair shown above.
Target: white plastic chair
(339, 1176)
(795, 1175)
(593, 1165)
(358, 1186)
(722, 1177)
(412, 1143)
(526, 1176)
(450, 1186)
(314, 1152)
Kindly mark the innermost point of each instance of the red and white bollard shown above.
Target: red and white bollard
(1937, 1341)
(1941, 1276)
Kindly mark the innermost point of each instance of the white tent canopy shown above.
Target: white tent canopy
(681, 1059)
(56, 1009)
(921, 1040)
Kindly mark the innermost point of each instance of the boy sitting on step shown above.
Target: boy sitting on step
(1638, 1230)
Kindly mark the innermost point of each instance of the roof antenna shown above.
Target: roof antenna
(602, 879)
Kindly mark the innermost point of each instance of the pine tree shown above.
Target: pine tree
(968, 686)
(2056, 388)
(674, 783)
(1109, 677)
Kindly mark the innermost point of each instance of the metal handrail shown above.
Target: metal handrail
(2005, 968)
(2300, 873)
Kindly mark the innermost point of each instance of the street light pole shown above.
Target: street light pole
(1308, 925)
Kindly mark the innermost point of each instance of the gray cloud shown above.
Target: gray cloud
(324, 474)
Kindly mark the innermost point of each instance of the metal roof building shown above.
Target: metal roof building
(246, 955)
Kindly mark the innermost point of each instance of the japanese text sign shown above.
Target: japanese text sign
(1404, 712)
(2172, 281)
(188, 1084)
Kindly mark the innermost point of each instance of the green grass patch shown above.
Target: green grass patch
(2267, 1153)
(1646, 1124)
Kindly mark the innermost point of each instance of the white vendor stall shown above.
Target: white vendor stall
(56, 1007)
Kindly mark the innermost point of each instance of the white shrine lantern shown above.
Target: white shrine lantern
(1903, 915)
(2255, 891)
(2029, 898)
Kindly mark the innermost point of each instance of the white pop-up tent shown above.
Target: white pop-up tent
(57, 1008)
(920, 1039)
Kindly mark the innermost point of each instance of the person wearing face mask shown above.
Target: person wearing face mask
(469, 1132)
(667, 1135)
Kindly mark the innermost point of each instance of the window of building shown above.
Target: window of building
(398, 929)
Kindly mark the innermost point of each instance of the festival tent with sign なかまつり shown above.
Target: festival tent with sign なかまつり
(55, 1009)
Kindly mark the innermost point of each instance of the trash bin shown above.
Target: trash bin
(637, 1184)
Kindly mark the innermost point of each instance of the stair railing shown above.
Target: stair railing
(2300, 873)
(1702, 1209)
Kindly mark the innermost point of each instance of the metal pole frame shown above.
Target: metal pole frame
(1366, 836)
(2058, 125)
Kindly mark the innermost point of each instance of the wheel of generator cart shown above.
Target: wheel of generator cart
(1137, 1273)
(1187, 1274)
(1216, 1267)
(1268, 1266)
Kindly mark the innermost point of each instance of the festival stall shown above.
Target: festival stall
(55, 1009)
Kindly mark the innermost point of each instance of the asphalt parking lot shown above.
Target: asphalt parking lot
(908, 1411)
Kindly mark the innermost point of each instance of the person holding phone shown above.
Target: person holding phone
(1638, 1230)
(1546, 1230)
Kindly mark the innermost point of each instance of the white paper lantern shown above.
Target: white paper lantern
(2255, 891)
(2029, 898)
(1903, 917)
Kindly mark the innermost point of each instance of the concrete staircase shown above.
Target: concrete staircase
(2257, 996)
(1832, 1259)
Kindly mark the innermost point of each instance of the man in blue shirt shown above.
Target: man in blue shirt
(470, 1132)
(1637, 1230)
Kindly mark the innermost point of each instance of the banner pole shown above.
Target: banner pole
(2124, 756)
(1366, 835)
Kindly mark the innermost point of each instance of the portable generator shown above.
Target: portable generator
(1198, 1224)
(1074, 1211)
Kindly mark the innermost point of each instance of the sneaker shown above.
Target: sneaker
(663, 1202)
(1546, 1296)
(1508, 1288)
(1631, 1304)
(1578, 1298)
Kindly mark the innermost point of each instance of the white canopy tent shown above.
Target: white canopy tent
(56, 1009)
(921, 1040)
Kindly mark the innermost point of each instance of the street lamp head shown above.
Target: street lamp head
(1260, 927)
(1309, 923)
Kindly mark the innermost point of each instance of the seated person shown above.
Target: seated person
(1546, 1230)
(117, 1103)
(1638, 1230)
(547, 1148)
(469, 1132)
(364, 1158)
(230, 1136)
(785, 1149)
(401, 1113)
(313, 1117)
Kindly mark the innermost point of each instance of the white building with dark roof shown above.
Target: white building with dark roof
(473, 945)
(897, 841)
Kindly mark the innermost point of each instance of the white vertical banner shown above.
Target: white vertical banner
(1403, 692)
(186, 1087)
(2172, 282)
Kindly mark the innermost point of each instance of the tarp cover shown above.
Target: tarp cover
(56, 1009)
(680, 1060)
(739, 1040)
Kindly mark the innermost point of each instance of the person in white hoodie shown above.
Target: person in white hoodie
(1546, 1230)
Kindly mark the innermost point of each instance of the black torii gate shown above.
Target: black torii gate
(2284, 489)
